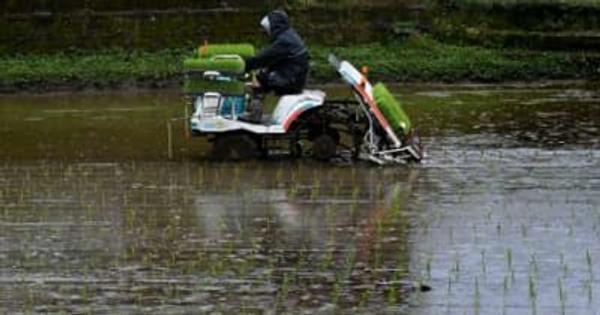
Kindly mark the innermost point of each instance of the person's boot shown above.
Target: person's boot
(253, 112)
(256, 109)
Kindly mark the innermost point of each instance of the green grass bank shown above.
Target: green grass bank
(528, 24)
(419, 59)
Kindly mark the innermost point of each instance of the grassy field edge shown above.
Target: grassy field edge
(419, 59)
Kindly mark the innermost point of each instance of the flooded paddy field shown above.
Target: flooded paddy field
(501, 218)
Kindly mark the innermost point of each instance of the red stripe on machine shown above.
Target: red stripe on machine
(292, 118)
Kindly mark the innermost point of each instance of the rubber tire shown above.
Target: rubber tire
(235, 147)
(324, 147)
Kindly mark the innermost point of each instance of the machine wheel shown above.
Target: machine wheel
(324, 147)
(235, 147)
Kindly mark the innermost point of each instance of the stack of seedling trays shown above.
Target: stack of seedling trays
(392, 110)
(218, 69)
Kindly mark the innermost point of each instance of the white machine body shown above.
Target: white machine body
(206, 120)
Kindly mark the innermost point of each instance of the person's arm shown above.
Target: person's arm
(267, 56)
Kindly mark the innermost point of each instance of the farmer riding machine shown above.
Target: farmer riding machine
(372, 127)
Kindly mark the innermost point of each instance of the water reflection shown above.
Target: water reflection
(171, 238)
(501, 217)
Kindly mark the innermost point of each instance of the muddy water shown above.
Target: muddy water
(502, 217)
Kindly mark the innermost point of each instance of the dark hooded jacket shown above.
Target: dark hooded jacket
(287, 56)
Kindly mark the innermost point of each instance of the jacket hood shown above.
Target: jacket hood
(278, 23)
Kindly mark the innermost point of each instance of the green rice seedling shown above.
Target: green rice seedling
(352, 210)
(561, 296)
(509, 259)
(379, 228)
(336, 189)
(570, 232)
(222, 64)
(302, 258)
(512, 276)
(396, 203)
(349, 261)
(139, 299)
(565, 269)
(391, 109)
(200, 176)
(590, 291)
(30, 301)
(243, 268)
(285, 288)
(588, 259)
(428, 268)
(391, 296)
(364, 297)
(268, 275)
(327, 260)
(534, 265)
(378, 255)
(355, 192)
(131, 217)
(243, 50)
(216, 267)
(279, 174)
(532, 289)
(456, 266)
(293, 190)
(315, 191)
(474, 231)
(483, 262)
(476, 297)
(84, 292)
(336, 290)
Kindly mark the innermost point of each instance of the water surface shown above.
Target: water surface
(502, 217)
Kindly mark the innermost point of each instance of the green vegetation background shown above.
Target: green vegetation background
(423, 56)
(417, 59)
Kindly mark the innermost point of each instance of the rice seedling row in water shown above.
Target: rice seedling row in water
(509, 259)
(561, 296)
(532, 294)
(564, 265)
(476, 297)
(588, 260)
(534, 265)
(456, 267)
(590, 291)
(428, 268)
